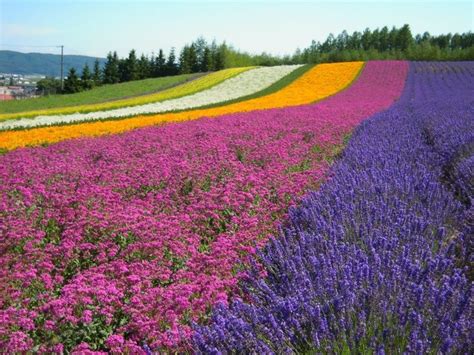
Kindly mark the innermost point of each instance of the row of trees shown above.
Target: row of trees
(119, 70)
(201, 56)
(73, 83)
(396, 43)
(197, 57)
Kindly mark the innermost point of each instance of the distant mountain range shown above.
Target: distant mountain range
(40, 63)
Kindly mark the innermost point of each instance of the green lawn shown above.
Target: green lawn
(96, 95)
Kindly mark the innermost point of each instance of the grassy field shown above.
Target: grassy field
(96, 95)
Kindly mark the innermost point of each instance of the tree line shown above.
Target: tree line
(201, 56)
(396, 43)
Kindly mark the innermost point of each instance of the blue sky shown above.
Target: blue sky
(94, 27)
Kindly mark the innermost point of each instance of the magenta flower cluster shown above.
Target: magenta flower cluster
(111, 243)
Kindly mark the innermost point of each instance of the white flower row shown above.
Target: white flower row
(246, 83)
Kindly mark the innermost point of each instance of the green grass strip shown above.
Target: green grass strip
(97, 95)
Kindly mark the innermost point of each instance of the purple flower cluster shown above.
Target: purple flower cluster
(377, 259)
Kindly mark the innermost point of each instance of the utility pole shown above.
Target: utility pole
(62, 66)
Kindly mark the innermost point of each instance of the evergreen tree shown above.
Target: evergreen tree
(96, 76)
(184, 66)
(206, 63)
(159, 67)
(193, 59)
(86, 78)
(213, 53)
(200, 46)
(188, 62)
(219, 56)
(72, 83)
(144, 67)
(132, 71)
(123, 72)
(111, 69)
(107, 75)
(171, 66)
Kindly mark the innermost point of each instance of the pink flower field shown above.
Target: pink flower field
(128, 239)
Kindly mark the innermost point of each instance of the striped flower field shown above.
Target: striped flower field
(246, 83)
(189, 88)
(331, 215)
(320, 82)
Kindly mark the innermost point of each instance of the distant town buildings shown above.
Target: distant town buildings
(7, 93)
(17, 86)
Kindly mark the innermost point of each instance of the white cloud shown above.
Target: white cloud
(16, 30)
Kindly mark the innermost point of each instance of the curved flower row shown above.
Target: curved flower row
(188, 88)
(246, 83)
(319, 82)
(119, 240)
(377, 259)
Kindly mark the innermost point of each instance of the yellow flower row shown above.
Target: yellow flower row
(321, 81)
(191, 87)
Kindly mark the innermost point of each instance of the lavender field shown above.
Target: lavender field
(380, 258)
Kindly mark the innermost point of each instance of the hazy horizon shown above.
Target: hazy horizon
(93, 28)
